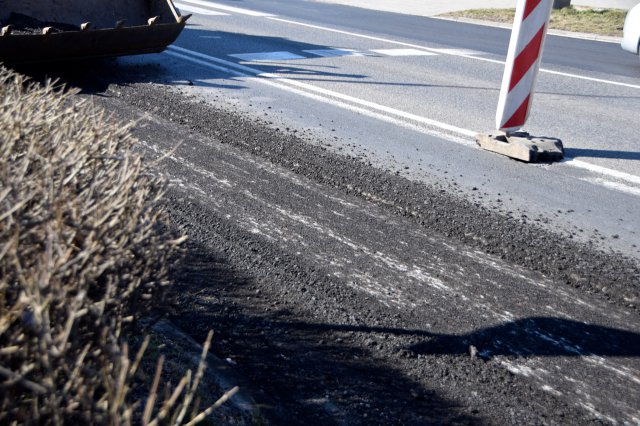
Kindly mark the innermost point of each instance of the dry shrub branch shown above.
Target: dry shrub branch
(82, 253)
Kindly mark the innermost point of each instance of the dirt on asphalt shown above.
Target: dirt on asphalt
(310, 340)
(512, 239)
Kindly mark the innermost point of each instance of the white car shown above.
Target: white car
(631, 37)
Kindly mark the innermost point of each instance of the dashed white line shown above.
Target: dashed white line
(403, 52)
(267, 56)
(336, 52)
(333, 52)
(459, 52)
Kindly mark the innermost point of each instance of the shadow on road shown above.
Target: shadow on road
(538, 336)
(602, 153)
(94, 76)
(333, 372)
(297, 373)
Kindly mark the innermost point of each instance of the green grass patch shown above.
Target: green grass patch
(595, 21)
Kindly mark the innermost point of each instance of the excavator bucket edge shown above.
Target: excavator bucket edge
(31, 33)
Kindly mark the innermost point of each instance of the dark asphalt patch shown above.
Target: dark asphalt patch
(609, 275)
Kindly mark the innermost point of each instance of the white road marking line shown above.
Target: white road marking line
(229, 8)
(333, 52)
(633, 179)
(201, 11)
(459, 52)
(454, 52)
(593, 79)
(614, 185)
(404, 52)
(336, 52)
(268, 79)
(267, 56)
(253, 72)
(404, 119)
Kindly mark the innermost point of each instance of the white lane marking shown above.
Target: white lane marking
(196, 9)
(614, 185)
(459, 52)
(364, 107)
(252, 72)
(229, 8)
(593, 79)
(453, 52)
(602, 170)
(404, 52)
(333, 102)
(267, 56)
(333, 52)
(336, 52)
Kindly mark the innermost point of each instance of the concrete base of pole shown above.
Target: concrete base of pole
(522, 146)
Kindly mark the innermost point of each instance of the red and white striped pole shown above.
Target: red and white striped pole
(523, 62)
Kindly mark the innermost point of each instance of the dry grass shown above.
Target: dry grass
(491, 15)
(83, 253)
(596, 21)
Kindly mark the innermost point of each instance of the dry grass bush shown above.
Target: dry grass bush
(82, 253)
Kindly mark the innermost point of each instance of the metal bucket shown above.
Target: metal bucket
(56, 30)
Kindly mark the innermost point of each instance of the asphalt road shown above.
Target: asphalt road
(360, 259)
(342, 294)
(584, 55)
(411, 92)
